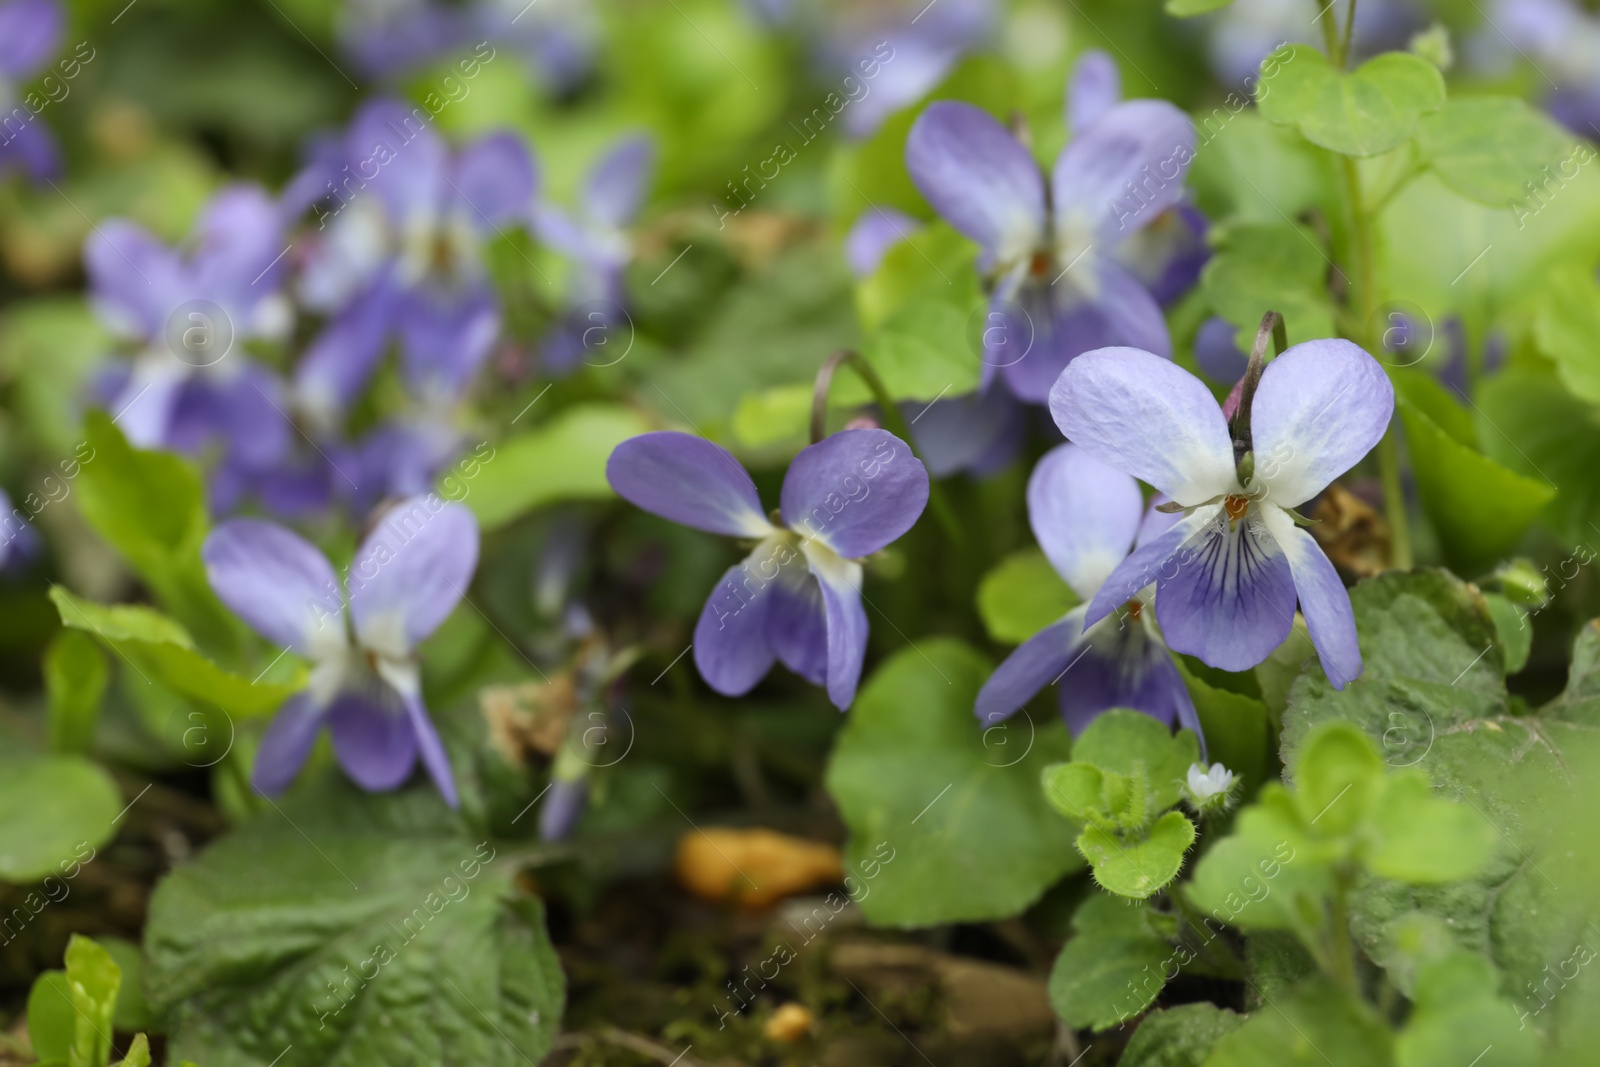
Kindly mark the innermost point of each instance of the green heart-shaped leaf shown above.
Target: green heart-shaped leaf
(1121, 739)
(1112, 969)
(1076, 790)
(1366, 112)
(1139, 868)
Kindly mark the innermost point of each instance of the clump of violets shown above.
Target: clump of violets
(1086, 516)
(596, 241)
(401, 221)
(190, 386)
(796, 598)
(30, 34)
(1229, 569)
(1057, 286)
(364, 686)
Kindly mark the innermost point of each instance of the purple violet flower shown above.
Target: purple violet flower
(1168, 254)
(1052, 261)
(1228, 572)
(894, 54)
(559, 39)
(30, 34)
(596, 240)
(796, 598)
(408, 575)
(403, 226)
(1562, 39)
(389, 38)
(187, 388)
(1085, 516)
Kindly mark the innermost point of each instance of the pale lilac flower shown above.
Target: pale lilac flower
(796, 599)
(596, 240)
(30, 34)
(1168, 254)
(1228, 572)
(1057, 285)
(398, 252)
(882, 56)
(365, 687)
(1086, 516)
(1562, 40)
(191, 384)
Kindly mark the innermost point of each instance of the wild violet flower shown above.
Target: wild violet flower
(190, 385)
(401, 222)
(30, 34)
(1055, 282)
(409, 573)
(559, 39)
(1561, 37)
(882, 56)
(595, 239)
(1228, 572)
(1086, 516)
(1168, 253)
(389, 38)
(796, 598)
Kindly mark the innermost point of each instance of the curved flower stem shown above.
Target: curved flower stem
(893, 421)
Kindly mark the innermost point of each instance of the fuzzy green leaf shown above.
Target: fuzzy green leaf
(1137, 867)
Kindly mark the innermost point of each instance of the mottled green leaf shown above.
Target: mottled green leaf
(1179, 1037)
(358, 929)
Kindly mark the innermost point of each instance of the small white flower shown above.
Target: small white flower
(1207, 785)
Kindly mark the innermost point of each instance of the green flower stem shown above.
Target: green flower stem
(1365, 300)
(1349, 33)
(1341, 951)
(892, 421)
